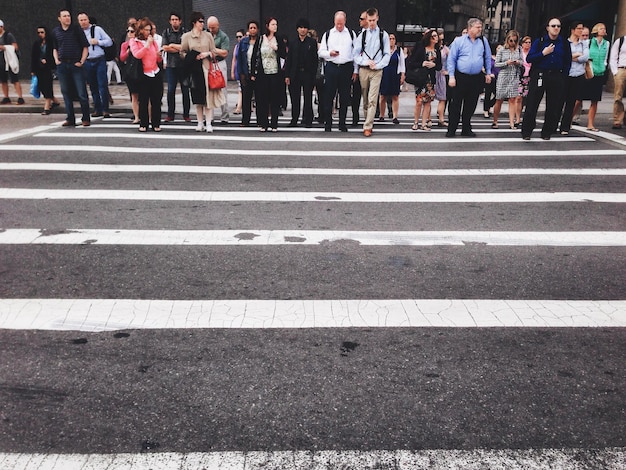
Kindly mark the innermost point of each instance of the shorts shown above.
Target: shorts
(5, 75)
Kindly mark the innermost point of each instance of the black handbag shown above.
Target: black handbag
(133, 71)
(417, 76)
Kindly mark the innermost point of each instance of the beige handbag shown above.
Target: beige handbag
(588, 70)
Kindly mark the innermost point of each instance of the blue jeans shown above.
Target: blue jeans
(176, 75)
(96, 75)
(72, 81)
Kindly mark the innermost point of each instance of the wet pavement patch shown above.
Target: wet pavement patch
(149, 445)
(121, 335)
(246, 236)
(348, 347)
(79, 341)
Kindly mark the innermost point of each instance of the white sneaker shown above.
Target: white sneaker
(209, 128)
(200, 127)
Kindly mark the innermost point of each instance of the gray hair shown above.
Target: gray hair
(473, 21)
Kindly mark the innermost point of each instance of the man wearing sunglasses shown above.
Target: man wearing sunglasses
(550, 60)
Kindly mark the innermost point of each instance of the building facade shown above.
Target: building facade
(23, 17)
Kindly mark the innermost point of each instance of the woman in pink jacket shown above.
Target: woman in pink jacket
(145, 48)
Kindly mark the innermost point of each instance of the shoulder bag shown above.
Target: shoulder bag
(216, 79)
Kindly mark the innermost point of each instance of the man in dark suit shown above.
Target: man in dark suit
(300, 69)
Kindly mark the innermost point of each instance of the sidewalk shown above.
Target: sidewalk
(121, 105)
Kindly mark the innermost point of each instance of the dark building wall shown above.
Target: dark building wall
(22, 17)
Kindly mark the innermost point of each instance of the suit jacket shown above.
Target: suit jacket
(310, 57)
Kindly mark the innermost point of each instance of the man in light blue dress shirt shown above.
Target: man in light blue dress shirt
(469, 68)
(371, 53)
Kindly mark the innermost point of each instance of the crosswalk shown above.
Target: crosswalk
(262, 242)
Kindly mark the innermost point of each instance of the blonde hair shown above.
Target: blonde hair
(596, 28)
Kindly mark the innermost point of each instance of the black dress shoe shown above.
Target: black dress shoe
(468, 134)
(343, 128)
(450, 134)
(293, 124)
(327, 129)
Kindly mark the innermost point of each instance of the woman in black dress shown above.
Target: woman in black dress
(42, 65)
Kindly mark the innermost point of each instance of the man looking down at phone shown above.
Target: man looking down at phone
(550, 58)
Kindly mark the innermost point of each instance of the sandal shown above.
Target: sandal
(429, 123)
(593, 129)
(142, 129)
(156, 129)
(415, 126)
(442, 124)
(494, 125)
(425, 128)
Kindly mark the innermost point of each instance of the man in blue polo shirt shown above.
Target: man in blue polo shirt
(550, 58)
(469, 68)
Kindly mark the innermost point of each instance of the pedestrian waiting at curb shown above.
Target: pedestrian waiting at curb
(70, 53)
(42, 65)
(9, 65)
(550, 58)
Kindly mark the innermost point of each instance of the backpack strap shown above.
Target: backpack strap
(619, 48)
(380, 41)
(93, 35)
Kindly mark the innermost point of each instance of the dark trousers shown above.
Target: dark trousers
(490, 95)
(552, 86)
(176, 75)
(321, 100)
(150, 91)
(573, 88)
(96, 76)
(72, 81)
(270, 90)
(356, 100)
(463, 100)
(302, 82)
(337, 79)
(247, 93)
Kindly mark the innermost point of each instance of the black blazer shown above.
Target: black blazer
(257, 63)
(35, 57)
(419, 56)
(310, 57)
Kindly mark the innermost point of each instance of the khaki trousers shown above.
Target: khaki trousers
(370, 86)
(618, 93)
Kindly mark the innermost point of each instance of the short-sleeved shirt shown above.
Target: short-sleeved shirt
(6, 39)
(222, 42)
(173, 37)
(69, 43)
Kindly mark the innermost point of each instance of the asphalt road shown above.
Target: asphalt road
(68, 390)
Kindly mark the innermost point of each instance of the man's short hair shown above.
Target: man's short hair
(173, 13)
(372, 12)
(302, 23)
(472, 21)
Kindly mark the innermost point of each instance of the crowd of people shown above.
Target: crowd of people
(364, 69)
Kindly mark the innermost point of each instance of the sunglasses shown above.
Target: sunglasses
(362, 19)
(200, 21)
(130, 30)
(239, 37)
(555, 25)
